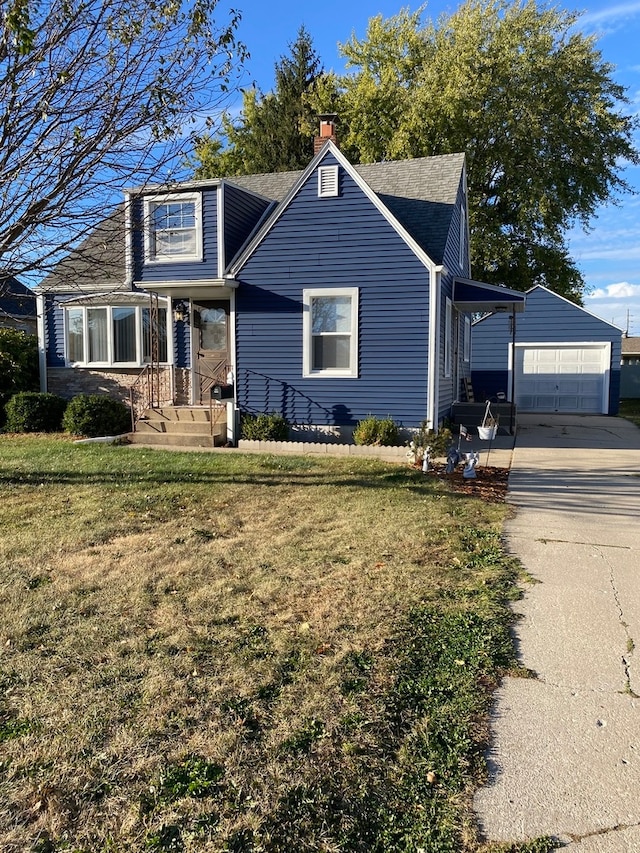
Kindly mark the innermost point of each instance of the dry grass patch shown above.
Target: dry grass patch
(208, 652)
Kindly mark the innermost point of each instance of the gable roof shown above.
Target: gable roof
(16, 300)
(420, 193)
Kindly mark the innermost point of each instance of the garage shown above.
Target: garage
(562, 378)
(555, 356)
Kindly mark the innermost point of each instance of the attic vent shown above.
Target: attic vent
(327, 181)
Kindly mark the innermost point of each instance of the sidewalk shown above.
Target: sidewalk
(565, 755)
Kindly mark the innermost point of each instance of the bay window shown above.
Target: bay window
(113, 335)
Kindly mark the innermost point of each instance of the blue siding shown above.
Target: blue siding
(242, 212)
(54, 330)
(333, 242)
(547, 318)
(181, 343)
(147, 274)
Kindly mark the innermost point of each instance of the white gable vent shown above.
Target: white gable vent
(327, 181)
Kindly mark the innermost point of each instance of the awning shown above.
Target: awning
(476, 297)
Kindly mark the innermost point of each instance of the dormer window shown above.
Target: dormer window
(173, 227)
(327, 181)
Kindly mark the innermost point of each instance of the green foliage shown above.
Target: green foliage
(438, 440)
(530, 101)
(194, 777)
(263, 427)
(379, 431)
(18, 365)
(274, 131)
(93, 415)
(31, 411)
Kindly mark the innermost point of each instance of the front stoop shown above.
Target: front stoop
(182, 426)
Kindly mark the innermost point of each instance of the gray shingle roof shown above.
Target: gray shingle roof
(420, 193)
(630, 345)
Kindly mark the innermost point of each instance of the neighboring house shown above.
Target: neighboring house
(630, 368)
(566, 359)
(17, 306)
(630, 350)
(326, 295)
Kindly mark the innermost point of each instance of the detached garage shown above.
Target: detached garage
(557, 358)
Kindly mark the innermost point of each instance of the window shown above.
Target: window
(330, 330)
(463, 236)
(327, 181)
(448, 336)
(173, 228)
(113, 335)
(466, 351)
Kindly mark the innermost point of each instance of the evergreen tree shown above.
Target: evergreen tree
(274, 132)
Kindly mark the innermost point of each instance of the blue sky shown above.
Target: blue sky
(609, 255)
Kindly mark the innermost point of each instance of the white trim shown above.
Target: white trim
(605, 346)
(466, 343)
(220, 229)
(232, 434)
(329, 148)
(42, 340)
(307, 338)
(168, 198)
(328, 181)
(433, 367)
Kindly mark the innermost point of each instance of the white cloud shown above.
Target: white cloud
(621, 290)
(612, 14)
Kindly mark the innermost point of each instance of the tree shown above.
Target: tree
(274, 132)
(19, 369)
(530, 101)
(94, 95)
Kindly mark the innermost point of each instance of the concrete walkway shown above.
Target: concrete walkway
(565, 756)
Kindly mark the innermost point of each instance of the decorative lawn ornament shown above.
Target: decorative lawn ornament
(471, 460)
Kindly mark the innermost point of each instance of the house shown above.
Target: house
(557, 357)
(326, 295)
(17, 306)
(630, 350)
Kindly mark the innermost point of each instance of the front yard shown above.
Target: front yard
(219, 652)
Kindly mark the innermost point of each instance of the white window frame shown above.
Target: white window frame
(448, 337)
(307, 334)
(150, 255)
(466, 344)
(85, 362)
(328, 181)
(463, 236)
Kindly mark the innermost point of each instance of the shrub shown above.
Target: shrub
(264, 427)
(31, 411)
(439, 441)
(371, 430)
(94, 414)
(18, 365)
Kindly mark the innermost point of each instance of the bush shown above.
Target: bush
(31, 411)
(439, 442)
(264, 427)
(93, 415)
(18, 365)
(382, 431)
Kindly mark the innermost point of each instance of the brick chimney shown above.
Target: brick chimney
(327, 131)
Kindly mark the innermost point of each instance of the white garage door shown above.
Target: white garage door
(570, 378)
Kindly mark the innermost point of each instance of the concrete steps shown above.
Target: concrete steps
(182, 426)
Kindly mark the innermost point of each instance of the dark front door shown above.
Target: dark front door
(211, 321)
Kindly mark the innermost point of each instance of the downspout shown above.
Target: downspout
(433, 367)
(42, 341)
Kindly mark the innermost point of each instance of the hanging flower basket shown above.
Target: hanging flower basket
(488, 433)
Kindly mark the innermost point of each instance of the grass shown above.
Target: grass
(218, 652)
(630, 409)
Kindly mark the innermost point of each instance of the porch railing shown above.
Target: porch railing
(152, 389)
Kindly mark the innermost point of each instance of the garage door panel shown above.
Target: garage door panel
(561, 378)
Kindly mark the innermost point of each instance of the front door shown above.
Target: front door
(211, 322)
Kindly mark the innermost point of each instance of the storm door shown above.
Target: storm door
(211, 322)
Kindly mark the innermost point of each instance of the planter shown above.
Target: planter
(487, 433)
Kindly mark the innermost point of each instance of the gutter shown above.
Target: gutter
(433, 365)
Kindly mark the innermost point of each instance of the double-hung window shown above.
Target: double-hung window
(113, 335)
(173, 227)
(330, 332)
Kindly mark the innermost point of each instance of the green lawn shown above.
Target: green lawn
(225, 652)
(630, 409)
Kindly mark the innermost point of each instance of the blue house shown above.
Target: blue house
(558, 358)
(325, 295)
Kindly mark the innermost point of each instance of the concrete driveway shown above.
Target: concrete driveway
(565, 756)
